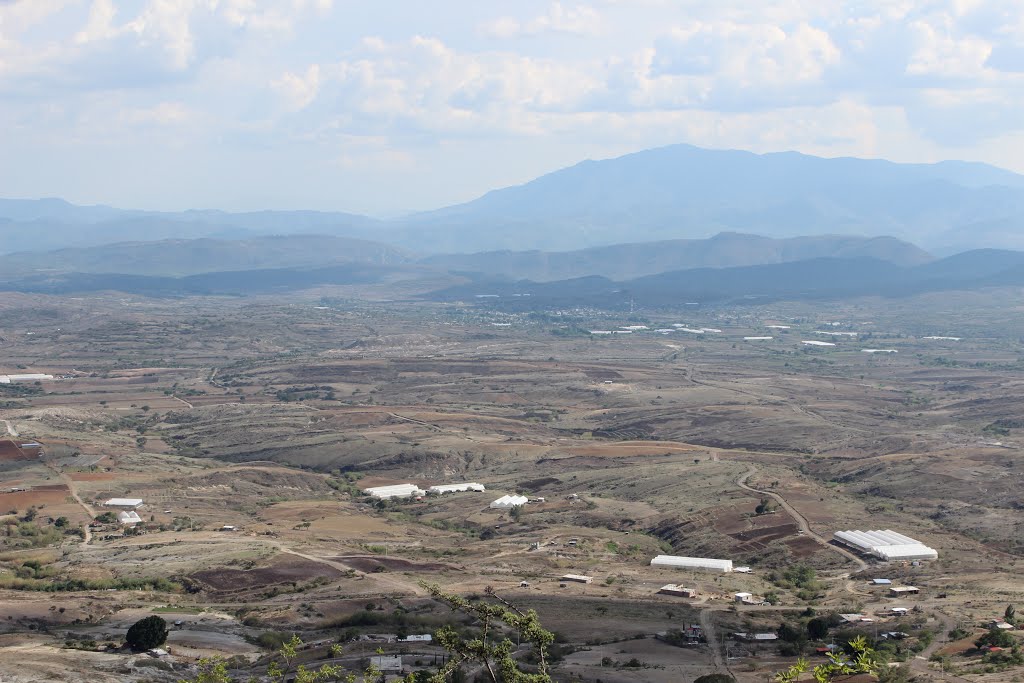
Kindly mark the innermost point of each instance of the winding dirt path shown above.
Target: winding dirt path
(801, 521)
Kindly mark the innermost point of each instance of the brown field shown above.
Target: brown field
(10, 452)
(48, 494)
(282, 571)
(271, 416)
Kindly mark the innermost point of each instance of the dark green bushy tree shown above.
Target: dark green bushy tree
(145, 634)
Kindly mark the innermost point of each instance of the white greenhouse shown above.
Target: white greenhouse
(456, 488)
(697, 563)
(395, 491)
(508, 502)
(886, 544)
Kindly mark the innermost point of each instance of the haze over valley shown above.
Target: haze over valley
(600, 341)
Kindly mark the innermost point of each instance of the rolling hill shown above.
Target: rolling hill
(811, 279)
(624, 261)
(687, 192)
(192, 257)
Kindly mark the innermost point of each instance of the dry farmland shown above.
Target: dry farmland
(250, 426)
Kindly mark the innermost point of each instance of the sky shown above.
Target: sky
(385, 106)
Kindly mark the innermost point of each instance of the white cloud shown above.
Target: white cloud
(163, 114)
(939, 53)
(299, 90)
(388, 83)
(578, 19)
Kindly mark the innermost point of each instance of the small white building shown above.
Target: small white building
(422, 638)
(509, 502)
(126, 503)
(756, 637)
(577, 578)
(743, 597)
(678, 591)
(442, 489)
(395, 491)
(694, 563)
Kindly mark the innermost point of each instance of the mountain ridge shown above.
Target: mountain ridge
(666, 193)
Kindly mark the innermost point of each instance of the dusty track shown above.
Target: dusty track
(800, 520)
(87, 535)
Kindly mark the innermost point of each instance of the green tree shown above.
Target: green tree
(863, 660)
(996, 637)
(210, 671)
(145, 634)
(490, 647)
(1010, 614)
(789, 633)
(817, 628)
(715, 678)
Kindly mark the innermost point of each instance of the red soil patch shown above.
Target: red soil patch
(10, 452)
(282, 571)
(802, 546)
(91, 476)
(370, 563)
(958, 647)
(52, 494)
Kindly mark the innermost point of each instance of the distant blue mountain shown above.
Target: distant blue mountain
(670, 193)
(685, 192)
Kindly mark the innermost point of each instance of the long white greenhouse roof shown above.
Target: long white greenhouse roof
(455, 488)
(887, 544)
(395, 491)
(910, 551)
(691, 563)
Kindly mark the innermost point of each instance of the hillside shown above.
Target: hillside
(625, 261)
(49, 224)
(687, 192)
(666, 194)
(811, 279)
(191, 257)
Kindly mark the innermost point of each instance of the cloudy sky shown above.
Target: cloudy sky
(389, 105)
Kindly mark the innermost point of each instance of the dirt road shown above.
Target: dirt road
(707, 624)
(73, 490)
(391, 583)
(394, 583)
(801, 521)
(920, 664)
(11, 430)
(87, 536)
